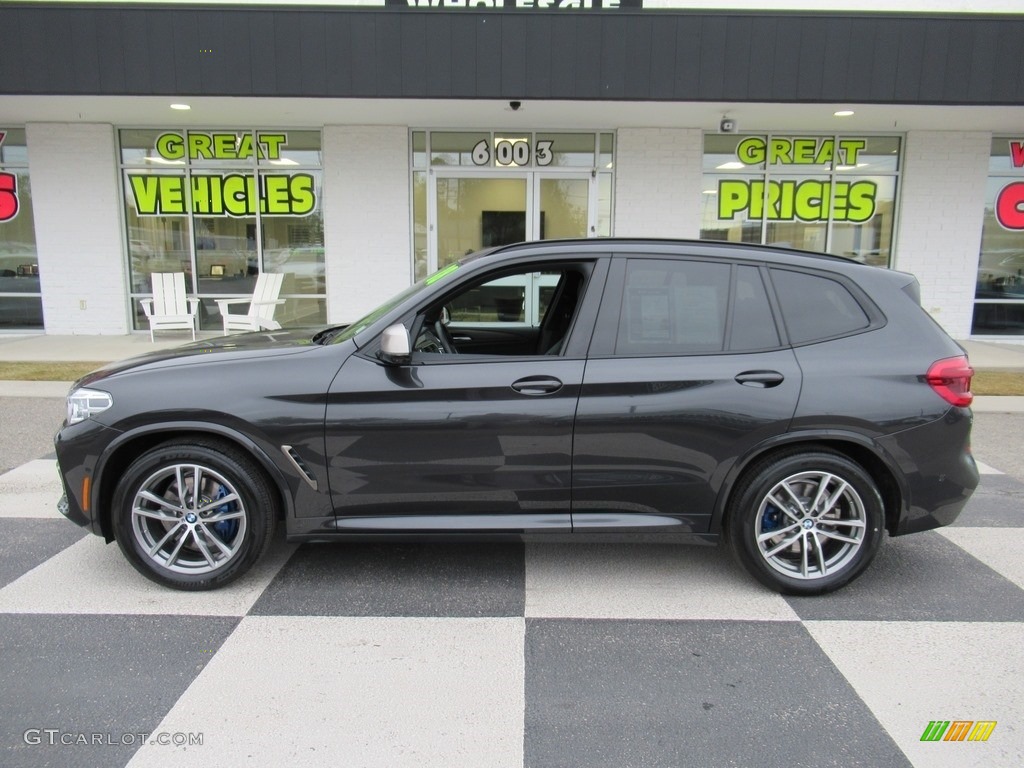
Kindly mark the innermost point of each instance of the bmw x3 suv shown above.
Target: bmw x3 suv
(796, 406)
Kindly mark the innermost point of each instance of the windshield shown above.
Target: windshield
(363, 323)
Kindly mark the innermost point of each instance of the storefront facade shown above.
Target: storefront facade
(355, 150)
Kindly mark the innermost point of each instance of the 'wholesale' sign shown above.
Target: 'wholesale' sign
(814, 6)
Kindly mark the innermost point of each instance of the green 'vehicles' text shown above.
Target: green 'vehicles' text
(232, 194)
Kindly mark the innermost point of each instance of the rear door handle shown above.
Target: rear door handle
(762, 379)
(537, 385)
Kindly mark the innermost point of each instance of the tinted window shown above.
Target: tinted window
(816, 307)
(673, 308)
(753, 326)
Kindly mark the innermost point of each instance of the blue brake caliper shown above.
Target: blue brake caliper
(226, 529)
(770, 519)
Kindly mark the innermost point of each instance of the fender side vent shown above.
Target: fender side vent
(300, 465)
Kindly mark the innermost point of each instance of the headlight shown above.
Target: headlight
(85, 403)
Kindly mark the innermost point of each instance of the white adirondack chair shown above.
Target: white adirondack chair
(170, 309)
(261, 306)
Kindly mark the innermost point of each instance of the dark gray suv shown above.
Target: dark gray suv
(796, 405)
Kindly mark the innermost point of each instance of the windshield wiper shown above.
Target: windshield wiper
(325, 336)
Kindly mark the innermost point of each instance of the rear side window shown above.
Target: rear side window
(753, 326)
(673, 307)
(816, 307)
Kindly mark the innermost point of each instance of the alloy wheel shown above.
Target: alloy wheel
(189, 518)
(810, 525)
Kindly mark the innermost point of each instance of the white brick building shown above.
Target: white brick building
(398, 139)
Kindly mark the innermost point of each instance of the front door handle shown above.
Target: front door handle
(762, 379)
(537, 385)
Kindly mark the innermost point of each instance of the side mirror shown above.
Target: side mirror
(395, 346)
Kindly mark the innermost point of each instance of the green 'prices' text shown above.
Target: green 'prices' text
(789, 200)
(796, 199)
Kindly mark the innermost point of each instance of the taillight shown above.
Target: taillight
(951, 380)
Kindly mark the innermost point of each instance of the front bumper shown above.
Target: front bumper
(79, 448)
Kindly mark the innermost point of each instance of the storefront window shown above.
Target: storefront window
(419, 225)
(224, 206)
(566, 150)
(834, 194)
(481, 189)
(999, 290)
(21, 304)
(454, 148)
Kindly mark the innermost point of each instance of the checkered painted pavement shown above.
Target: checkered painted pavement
(489, 655)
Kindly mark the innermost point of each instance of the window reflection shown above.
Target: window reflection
(222, 237)
(999, 287)
(21, 303)
(807, 192)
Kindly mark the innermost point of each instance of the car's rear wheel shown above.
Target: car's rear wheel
(806, 522)
(193, 515)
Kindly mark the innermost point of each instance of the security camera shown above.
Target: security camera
(728, 125)
(515, 105)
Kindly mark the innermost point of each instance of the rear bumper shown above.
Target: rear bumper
(940, 471)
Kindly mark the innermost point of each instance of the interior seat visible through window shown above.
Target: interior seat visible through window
(558, 319)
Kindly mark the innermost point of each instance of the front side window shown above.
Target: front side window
(523, 313)
(21, 303)
(224, 206)
(833, 194)
(999, 290)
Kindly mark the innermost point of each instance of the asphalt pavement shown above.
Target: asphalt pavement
(506, 654)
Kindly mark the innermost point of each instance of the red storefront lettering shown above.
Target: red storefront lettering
(8, 196)
(1017, 153)
(1010, 206)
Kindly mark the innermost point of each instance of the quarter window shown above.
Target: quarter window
(816, 307)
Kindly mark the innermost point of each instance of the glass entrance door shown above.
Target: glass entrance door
(564, 206)
(473, 211)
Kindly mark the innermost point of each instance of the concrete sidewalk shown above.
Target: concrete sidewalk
(984, 355)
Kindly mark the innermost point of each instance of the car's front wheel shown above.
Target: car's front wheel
(193, 515)
(806, 522)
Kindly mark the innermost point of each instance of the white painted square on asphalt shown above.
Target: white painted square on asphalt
(1001, 549)
(910, 673)
(91, 576)
(355, 691)
(644, 581)
(31, 490)
(985, 469)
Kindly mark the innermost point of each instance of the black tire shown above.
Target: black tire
(793, 545)
(194, 541)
